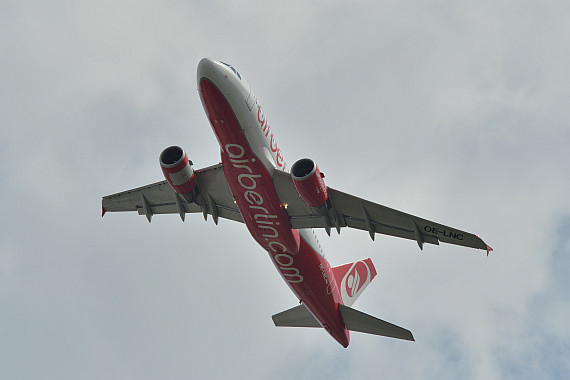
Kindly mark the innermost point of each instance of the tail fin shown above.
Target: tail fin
(353, 278)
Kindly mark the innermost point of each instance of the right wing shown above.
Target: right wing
(214, 198)
(345, 210)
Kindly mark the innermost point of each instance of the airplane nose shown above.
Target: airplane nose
(206, 68)
(206, 63)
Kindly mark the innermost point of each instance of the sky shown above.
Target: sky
(453, 111)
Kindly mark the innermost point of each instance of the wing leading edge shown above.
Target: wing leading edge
(345, 210)
(215, 198)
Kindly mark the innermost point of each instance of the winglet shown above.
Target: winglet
(487, 247)
(103, 212)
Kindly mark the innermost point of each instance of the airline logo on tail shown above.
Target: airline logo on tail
(354, 278)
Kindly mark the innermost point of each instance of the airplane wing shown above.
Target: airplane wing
(215, 198)
(345, 210)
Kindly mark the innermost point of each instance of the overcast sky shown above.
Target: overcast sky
(453, 112)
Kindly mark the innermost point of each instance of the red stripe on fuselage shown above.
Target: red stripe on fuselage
(306, 272)
(248, 179)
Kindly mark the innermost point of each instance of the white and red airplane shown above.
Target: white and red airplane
(252, 185)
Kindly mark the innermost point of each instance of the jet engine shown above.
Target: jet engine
(177, 170)
(309, 182)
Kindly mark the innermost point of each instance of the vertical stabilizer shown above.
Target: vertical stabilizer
(353, 278)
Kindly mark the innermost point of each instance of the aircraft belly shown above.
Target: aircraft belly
(248, 172)
(318, 290)
(248, 178)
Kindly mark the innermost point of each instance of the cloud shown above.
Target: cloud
(454, 113)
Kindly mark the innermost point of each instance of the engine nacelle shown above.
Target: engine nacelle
(309, 182)
(177, 170)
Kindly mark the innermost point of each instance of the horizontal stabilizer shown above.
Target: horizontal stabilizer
(355, 320)
(298, 316)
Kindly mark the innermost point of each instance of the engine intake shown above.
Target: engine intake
(177, 170)
(309, 182)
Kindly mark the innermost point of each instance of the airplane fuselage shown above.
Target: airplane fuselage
(250, 155)
(253, 185)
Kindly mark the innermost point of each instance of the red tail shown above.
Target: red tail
(353, 278)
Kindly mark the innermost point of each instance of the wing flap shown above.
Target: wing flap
(392, 222)
(364, 215)
(160, 195)
(159, 198)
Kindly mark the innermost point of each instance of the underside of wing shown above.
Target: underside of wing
(345, 210)
(214, 198)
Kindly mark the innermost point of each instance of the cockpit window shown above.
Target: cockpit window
(234, 70)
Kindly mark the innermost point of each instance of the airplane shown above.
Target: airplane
(280, 208)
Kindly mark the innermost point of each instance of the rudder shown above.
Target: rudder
(353, 278)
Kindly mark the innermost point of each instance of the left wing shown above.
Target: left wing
(215, 198)
(345, 210)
